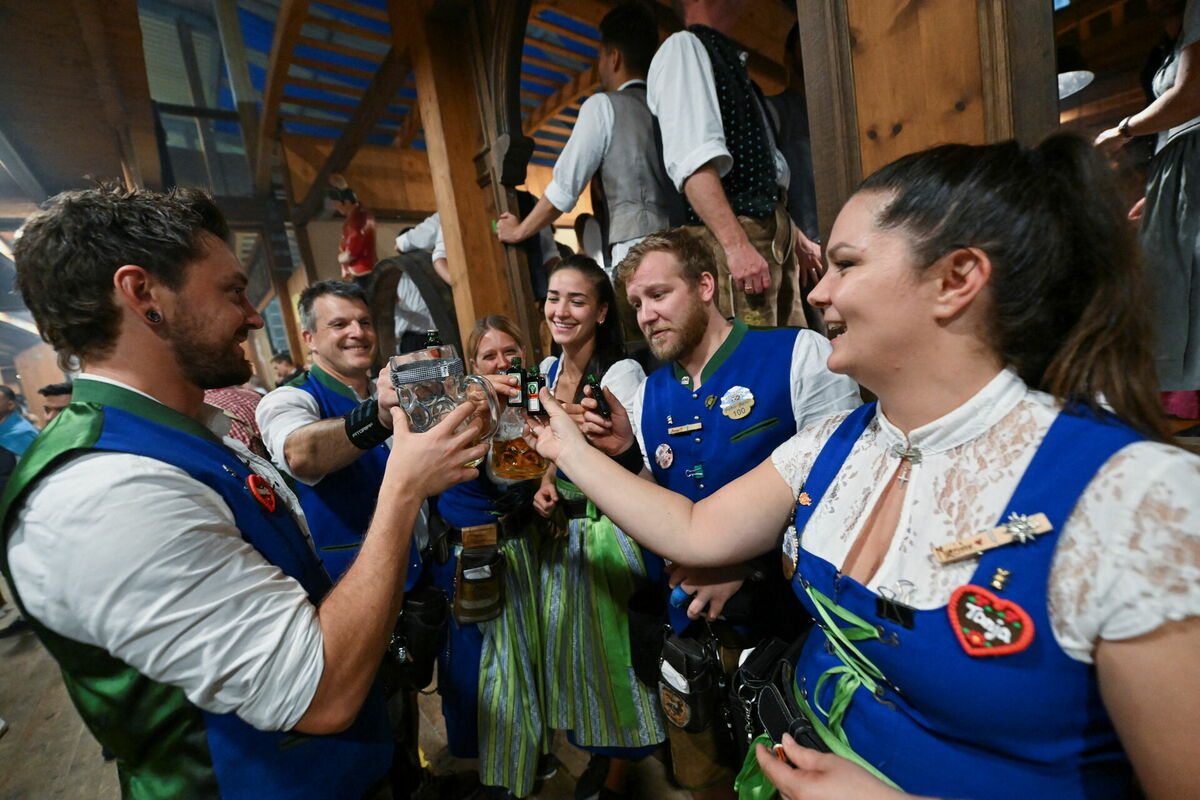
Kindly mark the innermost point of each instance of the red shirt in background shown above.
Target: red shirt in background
(358, 239)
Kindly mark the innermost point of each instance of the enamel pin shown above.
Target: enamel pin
(261, 491)
(986, 625)
(1019, 528)
(664, 456)
(737, 402)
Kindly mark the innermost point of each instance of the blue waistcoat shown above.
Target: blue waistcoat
(339, 508)
(162, 741)
(724, 448)
(1029, 724)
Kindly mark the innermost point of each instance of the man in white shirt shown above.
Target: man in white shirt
(304, 423)
(727, 397)
(168, 570)
(613, 137)
(719, 150)
(412, 315)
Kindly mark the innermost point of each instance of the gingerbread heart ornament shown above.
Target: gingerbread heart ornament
(987, 625)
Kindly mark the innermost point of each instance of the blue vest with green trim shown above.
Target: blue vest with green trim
(340, 506)
(165, 746)
(724, 448)
(926, 714)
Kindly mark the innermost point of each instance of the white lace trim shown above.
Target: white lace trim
(1128, 561)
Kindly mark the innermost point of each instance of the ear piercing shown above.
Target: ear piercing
(153, 316)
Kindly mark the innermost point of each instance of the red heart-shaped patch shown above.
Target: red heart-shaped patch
(987, 625)
(262, 491)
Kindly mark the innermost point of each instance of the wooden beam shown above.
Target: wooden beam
(555, 28)
(449, 101)
(357, 8)
(287, 32)
(15, 165)
(352, 92)
(525, 76)
(534, 61)
(412, 124)
(339, 49)
(233, 51)
(582, 84)
(329, 66)
(559, 50)
(388, 80)
(347, 28)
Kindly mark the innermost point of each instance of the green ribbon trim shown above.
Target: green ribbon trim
(612, 585)
(101, 393)
(751, 782)
(717, 360)
(333, 384)
(856, 671)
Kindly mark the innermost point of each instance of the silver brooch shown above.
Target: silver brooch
(1019, 527)
(912, 454)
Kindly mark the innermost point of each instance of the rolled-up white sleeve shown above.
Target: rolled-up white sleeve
(682, 94)
(420, 237)
(136, 557)
(280, 413)
(582, 154)
(817, 392)
(439, 243)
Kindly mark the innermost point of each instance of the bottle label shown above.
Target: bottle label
(533, 403)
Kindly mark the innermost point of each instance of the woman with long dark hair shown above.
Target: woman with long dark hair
(1003, 553)
(590, 569)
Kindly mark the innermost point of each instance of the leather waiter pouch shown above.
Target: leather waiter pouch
(479, 585)
(417, 639)
(687, 685)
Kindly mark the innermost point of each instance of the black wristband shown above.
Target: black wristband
(363, 428)
(631, 459)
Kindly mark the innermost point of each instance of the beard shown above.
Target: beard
(207, 364)
(687, 334)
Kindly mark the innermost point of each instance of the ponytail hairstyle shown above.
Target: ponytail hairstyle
(1069, 298)
(610, 341)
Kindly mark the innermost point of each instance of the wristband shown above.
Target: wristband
(631, 459)
(363, 428)
(1123, 128)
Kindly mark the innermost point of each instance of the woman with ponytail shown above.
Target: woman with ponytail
(1003, 553)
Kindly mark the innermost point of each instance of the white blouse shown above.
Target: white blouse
(1127, 562)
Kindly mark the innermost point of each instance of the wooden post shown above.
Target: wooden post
(453, 102)
(889, 77)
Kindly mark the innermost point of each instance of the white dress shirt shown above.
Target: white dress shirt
(682, 94)
(136, 557)
(422, 237)
(1127, 561)
(285, 410)
(624, 378)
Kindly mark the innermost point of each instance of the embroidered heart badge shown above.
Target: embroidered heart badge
(262, 491)
(986, 625)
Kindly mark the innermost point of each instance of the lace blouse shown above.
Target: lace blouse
(1127, 561)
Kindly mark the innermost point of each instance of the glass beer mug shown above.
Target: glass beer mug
(429, 390)
(513, 458)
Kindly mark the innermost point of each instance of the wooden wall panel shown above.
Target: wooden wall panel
(890, 77)
(394, 181)
(917, 78)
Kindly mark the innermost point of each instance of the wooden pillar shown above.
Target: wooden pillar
(455, 100)
(886, 78)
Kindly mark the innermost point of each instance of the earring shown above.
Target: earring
(153, 316)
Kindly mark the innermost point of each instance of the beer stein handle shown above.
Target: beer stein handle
(493, 404)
